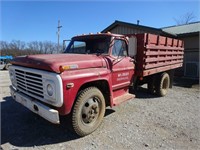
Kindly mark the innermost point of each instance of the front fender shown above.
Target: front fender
(79, 78)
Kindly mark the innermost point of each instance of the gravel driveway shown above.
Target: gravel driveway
(146, 122)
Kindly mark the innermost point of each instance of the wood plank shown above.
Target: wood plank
(162, 59)
(163, 47)
(157, 70)
(148, 66)
(151, 53)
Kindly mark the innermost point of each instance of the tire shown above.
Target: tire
(88, 111)
(162, 85)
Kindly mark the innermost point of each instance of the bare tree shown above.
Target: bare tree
(185, 19)
(17, 45)
(17, 48)
(4, 45)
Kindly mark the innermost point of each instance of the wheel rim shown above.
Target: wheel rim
(90, 110)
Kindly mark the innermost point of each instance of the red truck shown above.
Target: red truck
(95, 71)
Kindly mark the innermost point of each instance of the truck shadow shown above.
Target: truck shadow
(22, 128)
(143, 93)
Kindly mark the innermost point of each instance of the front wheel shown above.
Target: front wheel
(88, 111)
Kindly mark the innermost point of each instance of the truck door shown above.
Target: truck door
(122, 65)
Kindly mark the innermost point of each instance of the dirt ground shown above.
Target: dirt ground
(146, 122)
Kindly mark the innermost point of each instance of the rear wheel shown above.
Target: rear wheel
(88, 111)
(162, 85)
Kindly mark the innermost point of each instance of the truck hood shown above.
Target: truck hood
(52, 62)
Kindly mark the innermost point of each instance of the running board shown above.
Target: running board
(123, 98)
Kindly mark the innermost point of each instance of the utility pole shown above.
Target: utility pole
(59, 26)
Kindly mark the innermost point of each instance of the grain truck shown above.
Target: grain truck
(94, 71)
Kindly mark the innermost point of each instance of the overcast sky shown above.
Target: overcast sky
(37, 20)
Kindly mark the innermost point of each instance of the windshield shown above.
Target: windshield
(92, 45)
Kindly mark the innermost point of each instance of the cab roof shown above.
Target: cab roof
(98, 35)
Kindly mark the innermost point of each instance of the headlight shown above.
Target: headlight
(12, 77)
(50, 89)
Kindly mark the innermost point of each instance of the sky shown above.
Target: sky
(38, 20)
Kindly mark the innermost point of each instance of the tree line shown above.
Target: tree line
(18, 48)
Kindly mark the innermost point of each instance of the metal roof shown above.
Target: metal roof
(183, 29)
(137, 26)
(116, 23)
(173, 31)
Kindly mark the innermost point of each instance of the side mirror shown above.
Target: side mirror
(132, 46)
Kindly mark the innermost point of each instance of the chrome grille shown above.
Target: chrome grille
(29, 83)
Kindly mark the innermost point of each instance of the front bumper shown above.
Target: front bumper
(44, 111)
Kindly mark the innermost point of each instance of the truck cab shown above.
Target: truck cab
(113, 50)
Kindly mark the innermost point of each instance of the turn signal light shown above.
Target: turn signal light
(63, 68)
(67, 67)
